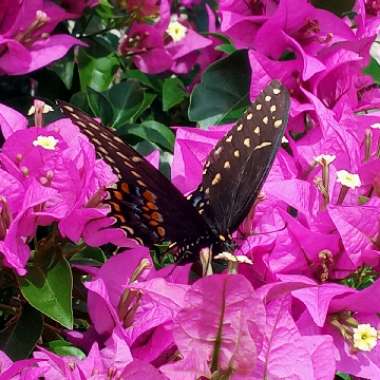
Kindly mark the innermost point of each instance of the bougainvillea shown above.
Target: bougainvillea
(298, 299)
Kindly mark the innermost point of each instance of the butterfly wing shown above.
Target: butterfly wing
(145, 203)
(240, 162)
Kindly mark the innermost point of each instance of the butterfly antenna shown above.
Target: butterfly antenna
(244, 236)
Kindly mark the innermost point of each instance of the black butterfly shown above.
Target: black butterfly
(151, 209)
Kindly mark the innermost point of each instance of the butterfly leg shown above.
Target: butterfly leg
(206, 259)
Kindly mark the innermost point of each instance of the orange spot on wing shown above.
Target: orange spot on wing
(149, 196)
(115, 206)
(120, 218)
(151, 205)
(124, 186)
(118, 195)
(157, 216)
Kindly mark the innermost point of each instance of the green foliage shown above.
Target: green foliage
(48, 288)
(373, 69)
(223, 90)
(20, 338)
(340, 7)
(173, 93)
(64, 348)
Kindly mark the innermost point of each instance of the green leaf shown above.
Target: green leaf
(224, 88)
(153, 132)
(96, 73)
(64, 348)
(64, 68)
(373, 69)
(340, 7)
(89, 256)
(166, 159)
(343, 376)
(19, 341)
(146, 80)
(80, 100)
(100, 106)
(173, 93)
(226, 48)
(126, 99)
(147, 102)
(49, 290)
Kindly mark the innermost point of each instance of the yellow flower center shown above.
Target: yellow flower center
(348, 179)
(365, 337)
(46, 142)
(176, 31)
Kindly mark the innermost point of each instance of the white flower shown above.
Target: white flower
(328, 158)
(46, 109)
(227, 256)
(375, 126)
(375, 50)
(46, 142)
(176, 30)
(348, 179)
(365, 337)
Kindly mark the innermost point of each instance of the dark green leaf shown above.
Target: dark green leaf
(224, 88)
(147, 102)
(100, 106)
(49, 289)
(96, 73)
(153, 132)
(342, 376)
(89, 256)
(19, 341)
(153, 83)
(126, 99)
(165, 164)
(226, 48)
(373, 69)
(80, 100)
(64, 68)
(173, 93)
(63, 348)
(340, 7)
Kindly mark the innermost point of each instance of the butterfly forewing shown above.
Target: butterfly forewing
(240, 162)
(144, 202)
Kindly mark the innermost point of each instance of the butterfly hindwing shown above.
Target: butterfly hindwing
(144, 202)
(239, 164)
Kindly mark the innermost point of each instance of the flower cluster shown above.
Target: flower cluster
(50, 175)
(169, 43)
(300, 299)
(26, 39)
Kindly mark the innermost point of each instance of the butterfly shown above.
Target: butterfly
(150, 209)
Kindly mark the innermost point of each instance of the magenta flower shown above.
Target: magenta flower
(128, 294)
(218, 329)
(26, 43)
(51, 175)
(169, 44)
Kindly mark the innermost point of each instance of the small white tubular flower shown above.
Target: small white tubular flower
(365, 337)
(375, 126)
(46, 142)
(176, 30)
(375, 50)
(348, 179)
(328, 158)
(227, 256)
(45, 109)
(284, 140)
